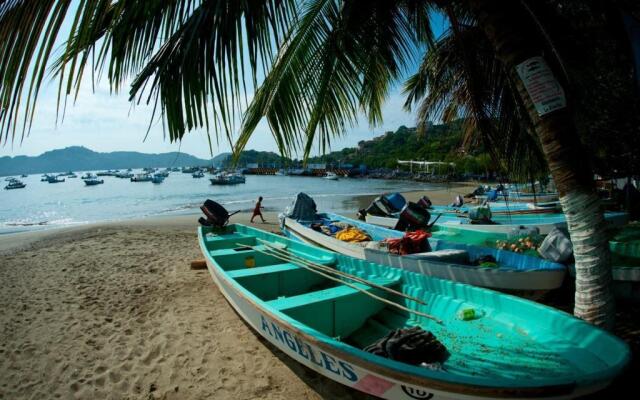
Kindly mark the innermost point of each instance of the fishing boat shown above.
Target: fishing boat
(141, 178)
(447, 260)
(124, 175)
(227, 179)
(15, 184)
(198, 174)
(157, 179)
(324, 309)
(55, 179)
(24, 175)
(331, 176)
(93, 181)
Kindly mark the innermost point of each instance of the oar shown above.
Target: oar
(382, 299)
(341, 273)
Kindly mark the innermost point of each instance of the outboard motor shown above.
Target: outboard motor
(217, 215)
(425, 202)
(458, 202)
(380, 207)
(413, 217)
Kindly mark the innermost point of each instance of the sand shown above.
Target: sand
(113, 311)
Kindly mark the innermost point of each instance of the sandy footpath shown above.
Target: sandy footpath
(113, 311)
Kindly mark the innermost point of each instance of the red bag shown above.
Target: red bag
(410, 243)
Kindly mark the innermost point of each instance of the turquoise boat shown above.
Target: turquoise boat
(457, 261)
(508, 348)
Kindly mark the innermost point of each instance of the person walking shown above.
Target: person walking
(257, 212)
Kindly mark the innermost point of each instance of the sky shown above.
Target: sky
(104, 122)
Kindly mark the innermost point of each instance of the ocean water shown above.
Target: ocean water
(43, 205)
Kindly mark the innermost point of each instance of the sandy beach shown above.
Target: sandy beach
(113, 311)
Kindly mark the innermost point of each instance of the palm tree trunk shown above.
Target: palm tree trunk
(514, 36)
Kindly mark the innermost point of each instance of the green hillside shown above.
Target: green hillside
(441, 143)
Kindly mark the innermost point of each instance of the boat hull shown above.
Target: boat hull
(335, 360)
(493, 278)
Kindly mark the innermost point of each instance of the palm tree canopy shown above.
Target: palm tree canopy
(315, 65)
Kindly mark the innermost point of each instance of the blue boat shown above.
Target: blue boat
(325, 310)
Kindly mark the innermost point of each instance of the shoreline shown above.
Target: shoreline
(24, 238)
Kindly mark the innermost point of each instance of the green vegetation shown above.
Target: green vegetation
(440, 143)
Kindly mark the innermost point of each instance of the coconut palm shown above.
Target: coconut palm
(315, 66)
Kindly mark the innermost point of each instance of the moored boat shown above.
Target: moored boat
(15, 184)
(141, 178)
(198, 174)
(93, 181)
(227, 179)
(331, 176)
(319, 308)
(157, 178)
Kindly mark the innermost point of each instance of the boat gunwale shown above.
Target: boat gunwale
(402, 372)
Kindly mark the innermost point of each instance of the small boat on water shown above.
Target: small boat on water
(479, 266)
(24, 175)
(331, 313)
(198, 174)
(227, 179)
(55, 179)
(157, 178)
(124, 175)
(331, 176)
(15, 184)
(93, 181)
(141, 178)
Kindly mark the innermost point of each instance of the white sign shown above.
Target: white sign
(543, 88)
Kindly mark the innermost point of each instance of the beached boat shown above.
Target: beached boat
(15, 184)
(141, 178)
(93, 181)
(446, 260)
(502, 223)
(318, 308)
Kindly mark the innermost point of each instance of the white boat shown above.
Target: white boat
(447, 260)
(331, 176)
(198, 174)
(141, 178)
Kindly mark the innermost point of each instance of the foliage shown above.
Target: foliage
(442, 144)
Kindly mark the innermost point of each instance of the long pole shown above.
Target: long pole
(341, 273)
(382, 299)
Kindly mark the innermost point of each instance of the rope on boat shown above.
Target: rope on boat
(317, 271)
(341, 273)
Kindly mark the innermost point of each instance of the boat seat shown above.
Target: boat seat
(337, 311)
(331, 294)
(269, 269)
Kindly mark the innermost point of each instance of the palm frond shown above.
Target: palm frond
(190, 57)
(339, 60)
(460, 78)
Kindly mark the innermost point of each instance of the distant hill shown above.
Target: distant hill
(82, 159)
